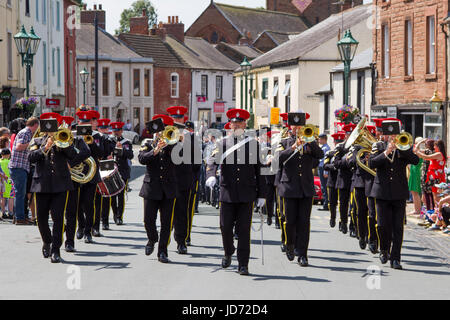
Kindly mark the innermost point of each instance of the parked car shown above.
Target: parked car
(132, 136)
(318, 198)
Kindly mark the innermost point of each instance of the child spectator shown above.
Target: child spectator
(8, 191)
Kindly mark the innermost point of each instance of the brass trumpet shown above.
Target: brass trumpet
(170, 135)
(88, 139)
(307, 133)
(404, 141)
(63, 138)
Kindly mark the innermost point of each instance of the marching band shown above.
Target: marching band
(81, 175)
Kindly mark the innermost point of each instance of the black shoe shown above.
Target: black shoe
(188, 242)
(395, 264)
(296, 252)
(182, 249)
(105, 227)
(226, 262)
(243, 271)
(333, 224)
(119, 221)
(269, 221)
(277, 224)
(353, 233)
(384, 257)
(116, 221)
(283, 248)
(56, 258)
(340, 226)
(70, 248)
(344, 228)
(163, 258)
(290, 253)
(303, 261)
(323, 209)
(88, 239)
(196, 211)
(149, 248)
(80, 234)
(46, 250)
(96, 233)
(363, 243)
(373, 247)
(236, 236)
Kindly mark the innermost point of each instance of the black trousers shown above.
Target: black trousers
(344, 201)
(102, 208)
(372, 220)
(193, 206)
(238, 217)
(298, 222)
(270, 200)
(181, 217)
(86, 212)
(362, 212)
(282, 218)
(333, 201)
(54, 204)
(167, 209)
(118, 203)
(72, 214)
(390, 222)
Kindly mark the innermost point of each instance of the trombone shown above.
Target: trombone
(307, 134)
(62, 139)
(170, 135)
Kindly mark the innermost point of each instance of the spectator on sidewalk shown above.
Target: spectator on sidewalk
(323, 175)
(19, 166)
(414, 184)
(7, 192)
(127, 126)
(426, 185)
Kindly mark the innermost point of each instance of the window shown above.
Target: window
(174, 85)
(10, 56)
(327, 112)
(219, 87)
(58, 18)
(44, 11)
(137, 82)
(105, 81)
(146, 115)
(53, 61)
(205, 86)
(431, 45)
(361, 99)
(275, 93)
(93, 89)
(147, 82)
(44, 51)
(234, 88)
(386, 51)
(265, 88)
(214, 37)
(408, 48)
(287, 95)
(105, 112)
(37, 10)
(27, 8)
(119, 84)
(58, 60)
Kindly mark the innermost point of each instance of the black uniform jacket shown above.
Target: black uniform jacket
(240, 179)
(108, 146)
(391, 182)
(361, 178)
(83, 152)
(345, 174)
(51, 174)
(187, 173)
(159, 180)
(122, 160)
(297, 179)
(331, 169)
(97, 152)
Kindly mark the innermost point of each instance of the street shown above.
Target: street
(115, 267)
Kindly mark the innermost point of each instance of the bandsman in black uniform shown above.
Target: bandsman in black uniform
(51, 186)
(186, 174)
(344, 180)
(86, 212)
(123, 153)
(390, 190)
(73, 203)
(270, 186)
(103, 204)
(158, 191)
(241, 184)
(332, 178)
(296, 188)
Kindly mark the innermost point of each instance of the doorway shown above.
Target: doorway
(412, 123)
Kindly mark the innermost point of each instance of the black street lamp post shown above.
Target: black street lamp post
(84, 74)
(347, 49)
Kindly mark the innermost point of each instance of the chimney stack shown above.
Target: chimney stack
(174, 27)
(88, 16)
(139, 25)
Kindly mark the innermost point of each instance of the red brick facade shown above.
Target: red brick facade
(399, 88)
(317, 11)
(162, 90)
(88, 16)
(70, 54)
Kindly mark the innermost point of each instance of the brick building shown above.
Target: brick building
(241, 25)
(172, 76)
(410, 57)
(313, 11)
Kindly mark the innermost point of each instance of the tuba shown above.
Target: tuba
(362, 137)
(84, 172)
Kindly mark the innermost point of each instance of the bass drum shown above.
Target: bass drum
(112, 183)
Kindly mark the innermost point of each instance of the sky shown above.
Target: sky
(187, 10)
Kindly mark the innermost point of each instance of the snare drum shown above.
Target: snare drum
(112, 183)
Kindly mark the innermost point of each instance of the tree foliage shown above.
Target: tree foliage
(136, 11)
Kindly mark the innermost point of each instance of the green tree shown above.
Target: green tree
(136, 11)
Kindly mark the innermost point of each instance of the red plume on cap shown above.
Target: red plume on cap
(238, 115)
(227, 126)
(51, 115)
(349, 127)
(116, 126)
(68, 120)
(339, 136)
(177, 111)
(168, 121)
(94, 114)
(85, 116)
(372, 129)
(103, 122)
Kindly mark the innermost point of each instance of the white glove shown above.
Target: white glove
(260, 202)
(211, 182)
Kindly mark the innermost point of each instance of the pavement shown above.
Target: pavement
(115, 267)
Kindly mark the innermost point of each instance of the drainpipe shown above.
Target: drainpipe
(445, 113)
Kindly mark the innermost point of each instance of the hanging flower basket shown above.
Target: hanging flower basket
(27, 105)
(346, 114)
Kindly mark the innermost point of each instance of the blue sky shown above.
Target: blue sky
(187, 10)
